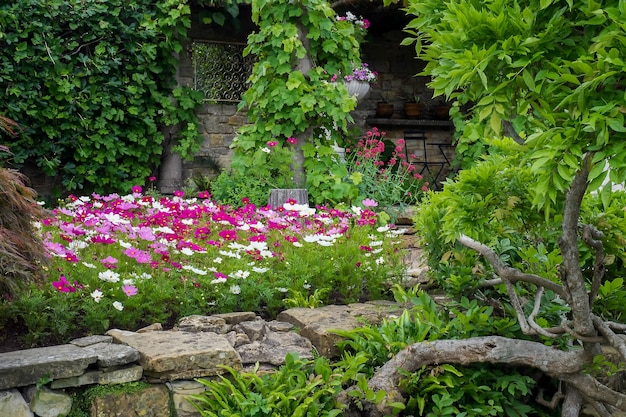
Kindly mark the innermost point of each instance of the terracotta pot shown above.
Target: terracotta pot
(384, 110)
(442, 112)
(413, 110)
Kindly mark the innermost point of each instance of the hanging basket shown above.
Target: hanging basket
(357, 88)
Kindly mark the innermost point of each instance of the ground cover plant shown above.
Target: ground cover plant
(127, 261)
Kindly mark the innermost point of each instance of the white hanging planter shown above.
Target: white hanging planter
(357, 88)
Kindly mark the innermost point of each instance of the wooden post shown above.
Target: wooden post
(278, 197)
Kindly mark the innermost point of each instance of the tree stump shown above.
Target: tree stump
(278, 197)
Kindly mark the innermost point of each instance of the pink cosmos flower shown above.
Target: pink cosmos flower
(109, 262)
(204, 194)
(228, 234)
(136, 189)
(368, 202)
(272, 143)
(129, 290)
(152, 179)
(292, 140)
(179, 193)
(63, 285)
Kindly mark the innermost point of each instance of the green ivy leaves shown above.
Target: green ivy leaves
(91, 83)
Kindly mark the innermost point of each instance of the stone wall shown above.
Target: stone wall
(39, 382)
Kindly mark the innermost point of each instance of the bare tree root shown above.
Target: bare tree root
(557, 364)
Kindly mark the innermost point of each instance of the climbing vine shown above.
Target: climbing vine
(293, 104)
(91, 83)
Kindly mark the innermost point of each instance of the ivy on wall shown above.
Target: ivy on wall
(92, 85)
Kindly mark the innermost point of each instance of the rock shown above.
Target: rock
(237, 317)
(27, 367)
(49, 403)
(255, 330)
(204, 324)
(279, 326)
(110, 376)
(113, 354)
(180, 390)
(315, 325)
(237, 339)
(13, 404)
(91, 340)
(273, 348)
(151, 328)
(153, 401)
(172, 355)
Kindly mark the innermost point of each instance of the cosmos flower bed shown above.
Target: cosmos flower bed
(127, 261)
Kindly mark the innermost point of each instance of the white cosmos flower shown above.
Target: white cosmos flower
(76, 245)
(297, 244)
(325, 243)
(187, 222)
(230, 254)
(241, 274)
(266, 150)
(235, 289)
(218, 281)
(218, 260)
(125, 245)
(118, 305)
(89, 265)
(109, 276)
(376, 243)
(259, 270)
(380, 261)
(128, 282)
(194, 270)
(357, 210)
(311, 238)
(97, 295)
(282, 289)
(382, 229)
(187, 251)
(266, 253)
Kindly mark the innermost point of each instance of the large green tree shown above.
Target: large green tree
(551, 75)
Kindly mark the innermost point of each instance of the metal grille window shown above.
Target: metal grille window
(220, 70)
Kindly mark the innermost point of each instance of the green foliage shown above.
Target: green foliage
(232, 188)
(545, 72)
(298, 388)
(92, 84)
(442, 389)
(288, 100)
(489, 202)
(301, 299)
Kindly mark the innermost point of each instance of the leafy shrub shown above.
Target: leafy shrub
(92, 83)
(298, 388)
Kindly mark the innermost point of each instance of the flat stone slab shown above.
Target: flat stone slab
(172, 355)
(110, 354)
(114, 376)
(27, 367)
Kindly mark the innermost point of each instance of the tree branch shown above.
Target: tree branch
(568, 243)
(591, 236)
(506, 272)
(531, 318)
(488, 349)
(614, 340)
